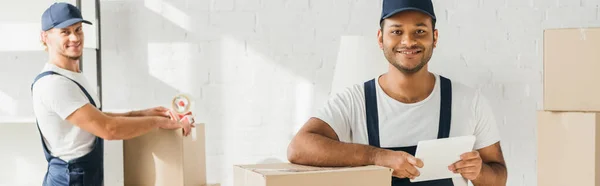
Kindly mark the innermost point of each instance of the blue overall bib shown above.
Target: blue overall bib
(87, 170)
(443, 132)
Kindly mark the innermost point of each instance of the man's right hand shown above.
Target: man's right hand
(403, 163)
(170, 124)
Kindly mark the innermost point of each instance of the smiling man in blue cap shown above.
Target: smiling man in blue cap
(380, 122)
(69, 119)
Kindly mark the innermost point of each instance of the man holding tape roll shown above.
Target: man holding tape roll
(380, 122)
(69, 117)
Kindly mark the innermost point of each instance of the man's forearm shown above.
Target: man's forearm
(492, 174)
(317, 150)
(125, 114)
(134, 113)
(130, 127)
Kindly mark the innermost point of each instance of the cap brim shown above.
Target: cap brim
(405, 9)
(70, 22)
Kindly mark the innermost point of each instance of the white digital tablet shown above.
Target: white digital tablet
(438, 154)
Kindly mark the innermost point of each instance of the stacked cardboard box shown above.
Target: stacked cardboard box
(166, 158)
(286, 174)
(568, 126)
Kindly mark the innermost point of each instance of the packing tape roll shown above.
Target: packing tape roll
(181, 103)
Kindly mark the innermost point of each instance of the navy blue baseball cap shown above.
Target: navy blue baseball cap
(61, 15)
(392, 7)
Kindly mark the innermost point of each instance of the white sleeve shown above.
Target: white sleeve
(61, 95)
(336, 113)
(486, 130)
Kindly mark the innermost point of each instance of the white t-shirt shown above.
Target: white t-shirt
(54, 99)
(402, 124)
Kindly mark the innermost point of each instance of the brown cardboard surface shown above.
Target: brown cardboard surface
(165, 158)
(571, 65)
(286, 174)
(194, 158)
(568, 148)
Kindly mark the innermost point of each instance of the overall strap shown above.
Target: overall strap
(371, 112)
(373, 118)
(445, 107)
(46, 73)
(443, 131)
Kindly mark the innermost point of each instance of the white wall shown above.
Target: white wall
(258, 68)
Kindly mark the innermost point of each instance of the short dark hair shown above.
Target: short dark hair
(382, 24)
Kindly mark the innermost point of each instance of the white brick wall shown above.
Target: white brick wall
(258, 68)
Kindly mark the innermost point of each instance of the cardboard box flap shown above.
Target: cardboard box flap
(288, 174)
(287, 169)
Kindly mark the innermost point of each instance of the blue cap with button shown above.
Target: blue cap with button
(392, 7)
(61, 15)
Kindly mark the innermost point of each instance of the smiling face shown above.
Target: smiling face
(407, 40)
(67, 42)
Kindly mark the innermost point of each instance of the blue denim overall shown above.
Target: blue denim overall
(443, 132)
(87, 170)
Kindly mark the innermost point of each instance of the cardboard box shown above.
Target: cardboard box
(571, 65)
(285, 174)
(568, 148)
(166, 158)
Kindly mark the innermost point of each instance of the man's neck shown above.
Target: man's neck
(407, 88)
(65, 63)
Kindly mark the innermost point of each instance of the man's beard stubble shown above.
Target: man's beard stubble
(405, 70)
(71, 57)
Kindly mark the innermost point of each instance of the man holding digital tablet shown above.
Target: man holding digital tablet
(381, 121)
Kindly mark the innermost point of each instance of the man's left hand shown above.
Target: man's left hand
(469, 166)
(156, 111)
